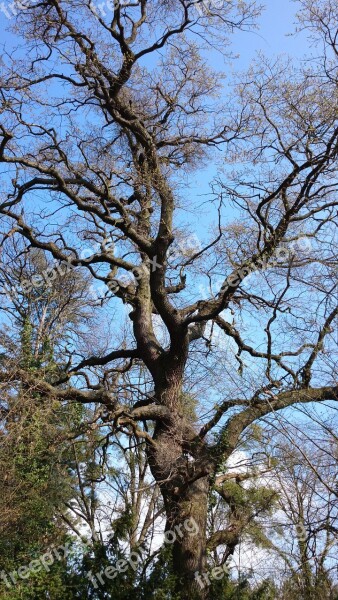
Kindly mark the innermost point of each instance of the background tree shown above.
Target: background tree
(35, 481)
(53, 457)
(303, 529)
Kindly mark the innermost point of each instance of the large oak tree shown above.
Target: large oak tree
(107, 111)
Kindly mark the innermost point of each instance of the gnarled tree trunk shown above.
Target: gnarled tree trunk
(179, 465)
(189, 553)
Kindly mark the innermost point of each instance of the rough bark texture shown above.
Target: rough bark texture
(189, 555)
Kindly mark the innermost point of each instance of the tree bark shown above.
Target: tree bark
(177, 466)
(189, 552)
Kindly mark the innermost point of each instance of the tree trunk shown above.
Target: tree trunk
(174, 464)
(189, 551)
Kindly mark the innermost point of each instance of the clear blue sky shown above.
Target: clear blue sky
(276, 21)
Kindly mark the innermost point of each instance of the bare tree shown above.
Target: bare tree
(103, 118)
(302, 532)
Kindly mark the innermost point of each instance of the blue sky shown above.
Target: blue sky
(274, 37)
(275, 23)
